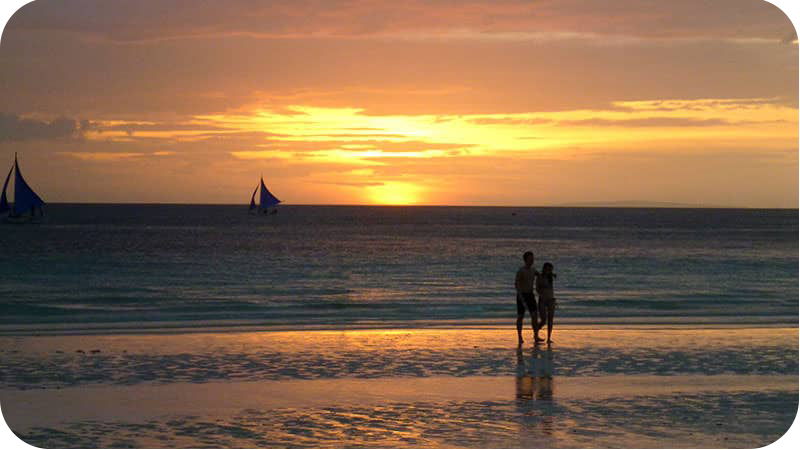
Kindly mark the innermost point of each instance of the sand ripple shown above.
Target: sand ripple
(703, 420)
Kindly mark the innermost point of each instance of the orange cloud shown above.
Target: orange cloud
(110, 156)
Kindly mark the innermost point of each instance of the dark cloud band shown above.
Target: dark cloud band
(140, 20)
(16, 128)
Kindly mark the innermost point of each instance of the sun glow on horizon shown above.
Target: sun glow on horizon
(394, 193)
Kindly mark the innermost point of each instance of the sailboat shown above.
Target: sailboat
(266, 200)
(27, 204)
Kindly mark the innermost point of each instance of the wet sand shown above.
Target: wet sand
(624, 387)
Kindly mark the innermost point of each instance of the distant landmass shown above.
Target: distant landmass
(642, 204)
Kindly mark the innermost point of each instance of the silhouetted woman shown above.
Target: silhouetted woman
(547, 300)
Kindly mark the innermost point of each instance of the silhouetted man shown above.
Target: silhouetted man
(526, 275)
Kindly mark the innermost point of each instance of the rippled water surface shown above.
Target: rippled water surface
(134, 266)
(621, 387)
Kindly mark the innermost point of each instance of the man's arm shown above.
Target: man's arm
(518, 281)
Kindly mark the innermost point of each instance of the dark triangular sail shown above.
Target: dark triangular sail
(3, 199)
(267, 199)
(24, 198)
(253, 199)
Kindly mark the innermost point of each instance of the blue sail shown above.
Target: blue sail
(253, 200)
(24, 198)
(267, 199)
(3, 199)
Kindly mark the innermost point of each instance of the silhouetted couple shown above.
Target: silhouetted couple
(542, 313)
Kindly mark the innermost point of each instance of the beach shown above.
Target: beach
(627, 386)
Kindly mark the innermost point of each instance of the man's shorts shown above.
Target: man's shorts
(526, 299)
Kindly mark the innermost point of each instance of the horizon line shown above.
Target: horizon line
(656, 205)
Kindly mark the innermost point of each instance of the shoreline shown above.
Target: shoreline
(139, 328)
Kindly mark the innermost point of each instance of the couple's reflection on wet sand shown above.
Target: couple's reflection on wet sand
(535, 388)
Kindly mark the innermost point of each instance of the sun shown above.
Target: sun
(394, 193)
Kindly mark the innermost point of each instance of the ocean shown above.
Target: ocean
(127, 267)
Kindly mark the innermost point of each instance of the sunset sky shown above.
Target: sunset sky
(508, 102)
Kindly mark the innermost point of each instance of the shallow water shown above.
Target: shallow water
(64, 361)
(486, 412)
(594, 387)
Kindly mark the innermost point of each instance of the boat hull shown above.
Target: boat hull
(21, 220)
